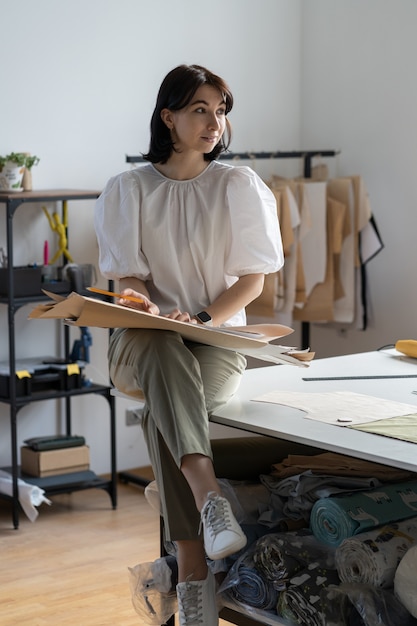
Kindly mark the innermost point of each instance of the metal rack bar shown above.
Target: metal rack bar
(306, 155)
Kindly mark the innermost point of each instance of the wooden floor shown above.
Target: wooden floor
(70, 566)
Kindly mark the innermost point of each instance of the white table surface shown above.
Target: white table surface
(291, 424)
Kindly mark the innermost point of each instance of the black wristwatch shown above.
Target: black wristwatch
(204, 318)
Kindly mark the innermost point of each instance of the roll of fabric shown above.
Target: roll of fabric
(373, 557)
(265, 570)
(337, 518)
(405, 581)
(252, 589)
(301, 600)
(293, 497)
(275, 561)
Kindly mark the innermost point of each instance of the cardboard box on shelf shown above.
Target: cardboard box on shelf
(52, 462)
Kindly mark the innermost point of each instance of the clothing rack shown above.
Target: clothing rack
(306, 155)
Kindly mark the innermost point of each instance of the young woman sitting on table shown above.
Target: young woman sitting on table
(192, 238)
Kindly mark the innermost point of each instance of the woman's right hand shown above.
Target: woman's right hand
(145, 304)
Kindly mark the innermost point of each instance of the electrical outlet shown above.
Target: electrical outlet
(133, 416)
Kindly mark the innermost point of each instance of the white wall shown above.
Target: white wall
(79, 85)
(81, 82)
(359, 95)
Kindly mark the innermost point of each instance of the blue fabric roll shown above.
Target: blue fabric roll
(337, 518)
(258, 577)
(253, 590)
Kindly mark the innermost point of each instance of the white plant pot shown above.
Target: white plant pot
(11, 177)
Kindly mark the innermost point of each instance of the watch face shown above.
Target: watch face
(204, 317)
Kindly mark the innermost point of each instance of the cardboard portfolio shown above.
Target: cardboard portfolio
(252, 340)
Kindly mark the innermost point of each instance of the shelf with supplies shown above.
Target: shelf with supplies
(55, 378)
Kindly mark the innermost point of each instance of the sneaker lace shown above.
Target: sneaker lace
(190, 605)
(216, 515)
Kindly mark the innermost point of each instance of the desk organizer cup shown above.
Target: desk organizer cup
(27, 281)
(79, 275)
(49, 273)
(52, 282)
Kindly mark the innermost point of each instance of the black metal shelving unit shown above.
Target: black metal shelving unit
(64, 483)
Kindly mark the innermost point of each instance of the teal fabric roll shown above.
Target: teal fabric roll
(336, 518)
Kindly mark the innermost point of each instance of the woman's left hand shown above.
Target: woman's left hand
(181, 316)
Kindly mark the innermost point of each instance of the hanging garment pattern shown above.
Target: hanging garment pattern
(329, 234)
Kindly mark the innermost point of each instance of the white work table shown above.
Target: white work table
(284, 422)
(289, 423)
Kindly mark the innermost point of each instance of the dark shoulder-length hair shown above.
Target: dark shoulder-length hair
(175, 93)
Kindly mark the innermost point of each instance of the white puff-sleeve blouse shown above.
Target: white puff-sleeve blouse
(189, 240)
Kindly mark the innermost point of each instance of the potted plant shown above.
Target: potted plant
(13, 167)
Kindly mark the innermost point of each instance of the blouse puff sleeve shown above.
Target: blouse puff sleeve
(116, 221)
(256, 245)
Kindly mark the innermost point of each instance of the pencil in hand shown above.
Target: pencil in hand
(104, 292)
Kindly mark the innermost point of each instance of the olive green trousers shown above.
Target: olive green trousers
(183, 383)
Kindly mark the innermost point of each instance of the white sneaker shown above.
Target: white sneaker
(197, 605)
(222, 534)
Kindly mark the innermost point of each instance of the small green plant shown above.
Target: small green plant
(21, 159)
(31, 161)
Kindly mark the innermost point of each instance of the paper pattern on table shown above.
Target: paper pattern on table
(403, 427)
(342, 408)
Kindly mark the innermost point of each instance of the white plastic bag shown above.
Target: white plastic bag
(153, 590)
(30, 496)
